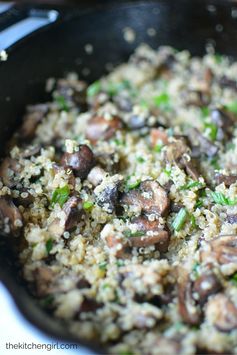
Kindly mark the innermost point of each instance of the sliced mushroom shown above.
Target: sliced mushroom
(206, 285)
(226, 179)
(123, 102)
(89, 305)
(8, 169)
(224, 121)
(157, 236)
(33, 117)
(72, 212)
(222, 250)
(178, 152)
(231, 218)
(107, 198)
(80, 162)
(120, 247)
(158, 135)
(188, 309)
(44, 277)
(222, 313)
(100, 128)
(96, 176)
(74, 91)
(150, 197)
(10, 215)
(205, 145)
(225, 82)
(25, 198)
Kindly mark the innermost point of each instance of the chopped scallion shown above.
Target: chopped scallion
(87, 205)
(94, 88)
(60, 195)
(180, 219)
(220, 199)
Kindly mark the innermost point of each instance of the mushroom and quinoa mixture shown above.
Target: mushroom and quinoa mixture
(123, 195)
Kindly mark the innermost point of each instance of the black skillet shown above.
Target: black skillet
(58, 47)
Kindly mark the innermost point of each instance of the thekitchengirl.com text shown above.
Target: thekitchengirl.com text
(41, 346)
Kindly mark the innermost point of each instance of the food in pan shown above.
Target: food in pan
(122, 197)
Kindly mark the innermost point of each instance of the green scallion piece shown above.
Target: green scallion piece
(62, 103)
(60, 195)
(87, 205)
(94, 89)
(220, 199)
(49, 245)
(180, 219)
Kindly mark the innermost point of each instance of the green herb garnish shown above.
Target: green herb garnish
(205, 111)
(198, 204)
(47, 301)
(162, 101)
(232, 107)
(192, 184)
(180, 219)
(214, 163)
(103, 265)
(60, 195)
(49, 245)
(158, 147)
(167, 172)
(233, 278)
(140, 160)
(220, 199)
(131, 186)
(211, 130)
(94, 89)
(218, 58)
(114, 88)
(192, 221)
(87, 205)
(62, 103)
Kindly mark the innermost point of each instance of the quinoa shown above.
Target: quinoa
(124, 195)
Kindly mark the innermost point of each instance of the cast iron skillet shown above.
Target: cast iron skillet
(58, 47)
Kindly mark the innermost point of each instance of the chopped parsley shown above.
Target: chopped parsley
(214, 163)
(220, 199)
(62, 103)
(218, 58)
(103, 265)
(205, 111)
(233, 278)
(60, 195)
(94, 89)
(232, 107)
(114, 88)
(49, 245)
(191, 184)
(211, 130)
(133, 185)
(162, 101)
(140, 160)
(180, 219)
(158, 147)
(198, 204)
(87, 205)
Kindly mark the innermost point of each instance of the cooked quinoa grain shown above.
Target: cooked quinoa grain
(124, 195)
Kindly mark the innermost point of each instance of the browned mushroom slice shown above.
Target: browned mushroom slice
(74, 91)
(197, 98)
(150, 197)
(25, 198)
(222, 250)
(158, 135)
(33, 117)
(222, 313)
(228, 83)
(89, 305)
(231, 218)
(224, 121)
(205, 145)
(99, 128)
(8, 169)
(159, 237)
(119, 246)
(206, 285)
(178, 152)
(188, 309)
(10, 215)
(72, 212)
(80, 162)
(44, 277)
(226, 179)
(96, 176)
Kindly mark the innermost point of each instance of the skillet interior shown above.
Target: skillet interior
(59, 49)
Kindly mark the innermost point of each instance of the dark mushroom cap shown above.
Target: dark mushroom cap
(99, 128)
(9, 212)
(80, 162)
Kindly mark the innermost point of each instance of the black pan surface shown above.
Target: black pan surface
(59, 48)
